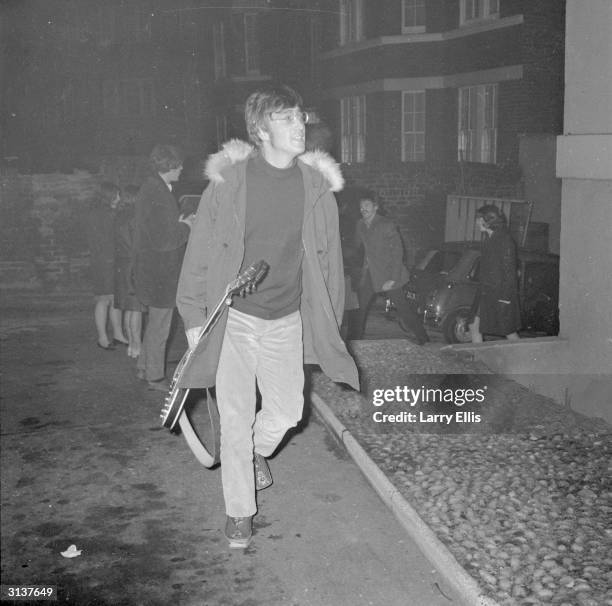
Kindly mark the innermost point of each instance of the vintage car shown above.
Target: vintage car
(444, 283)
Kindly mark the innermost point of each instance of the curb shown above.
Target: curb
(433, 549)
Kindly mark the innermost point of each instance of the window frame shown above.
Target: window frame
(219, 54)
(188, 29)
(480, 10)
(478, 104)
(221, 122)
(251, 45)
(122, 23)
(414, 155)
(351, 21)
(416, 28)
(353, 129)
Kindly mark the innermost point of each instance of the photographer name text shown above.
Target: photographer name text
(429, 396)
(461, 416)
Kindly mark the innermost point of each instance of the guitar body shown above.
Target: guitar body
(175, 400)
(180, 401)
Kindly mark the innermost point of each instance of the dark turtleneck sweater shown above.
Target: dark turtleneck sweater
(273, 232)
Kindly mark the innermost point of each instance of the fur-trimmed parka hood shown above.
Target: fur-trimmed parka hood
(235, 151)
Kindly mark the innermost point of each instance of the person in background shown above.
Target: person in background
(160, 235)
(383, 269)
(101, 246)
(125, 292)
(274, 203)
(496, 308)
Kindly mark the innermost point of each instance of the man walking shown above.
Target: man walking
(383, 269)
(265, 201)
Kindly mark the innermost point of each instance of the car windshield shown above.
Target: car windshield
(439, 261)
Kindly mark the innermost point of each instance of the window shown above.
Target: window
(353, 128)
(106, 25)
(351, 21)
(243, 44)
(67, 105)
(315, 47)
(188, 29)
(221, 122)
(128, 97)
(251, 44)
(413, 16)
(413, 126)
(125, 23)
(219, 50)
(478, 123)
(478, 10)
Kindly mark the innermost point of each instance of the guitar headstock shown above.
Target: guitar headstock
(248, 280)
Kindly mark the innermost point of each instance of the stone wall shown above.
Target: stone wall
(43, 221)
(43, 216)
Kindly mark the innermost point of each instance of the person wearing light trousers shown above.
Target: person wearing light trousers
(268, 201)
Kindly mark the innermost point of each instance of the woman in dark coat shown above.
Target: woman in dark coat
(498, 311)
(101, 263)
(125, 293)
(160, 237)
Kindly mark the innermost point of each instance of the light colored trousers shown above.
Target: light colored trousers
(152, 358)
(269, 352)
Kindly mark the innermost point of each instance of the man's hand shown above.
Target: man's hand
(192, 336)
(388, 285)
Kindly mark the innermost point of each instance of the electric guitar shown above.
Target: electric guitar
(174, 403)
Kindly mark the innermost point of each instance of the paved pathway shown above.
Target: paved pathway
(85, 462)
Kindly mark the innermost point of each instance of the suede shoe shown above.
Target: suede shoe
(263, 477)
(239, 532)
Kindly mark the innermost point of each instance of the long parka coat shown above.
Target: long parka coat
(215, 253)
(499, 309)
(159, 241)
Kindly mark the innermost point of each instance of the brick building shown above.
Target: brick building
(256, 42)
(102, 78)
(86, 78)
(430, 97)
(422, 98)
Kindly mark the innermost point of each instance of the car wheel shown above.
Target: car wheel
(456, 327)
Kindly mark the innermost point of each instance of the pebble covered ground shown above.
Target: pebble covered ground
(522, 499)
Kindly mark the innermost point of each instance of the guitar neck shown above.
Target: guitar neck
(246, 280)
(225, 300)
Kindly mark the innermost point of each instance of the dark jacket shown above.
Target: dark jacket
(159, 239)
(125, 292)
(384, 251)
(499, 301)
(215, 254)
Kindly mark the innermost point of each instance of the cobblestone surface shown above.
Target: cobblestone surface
(522, 498)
